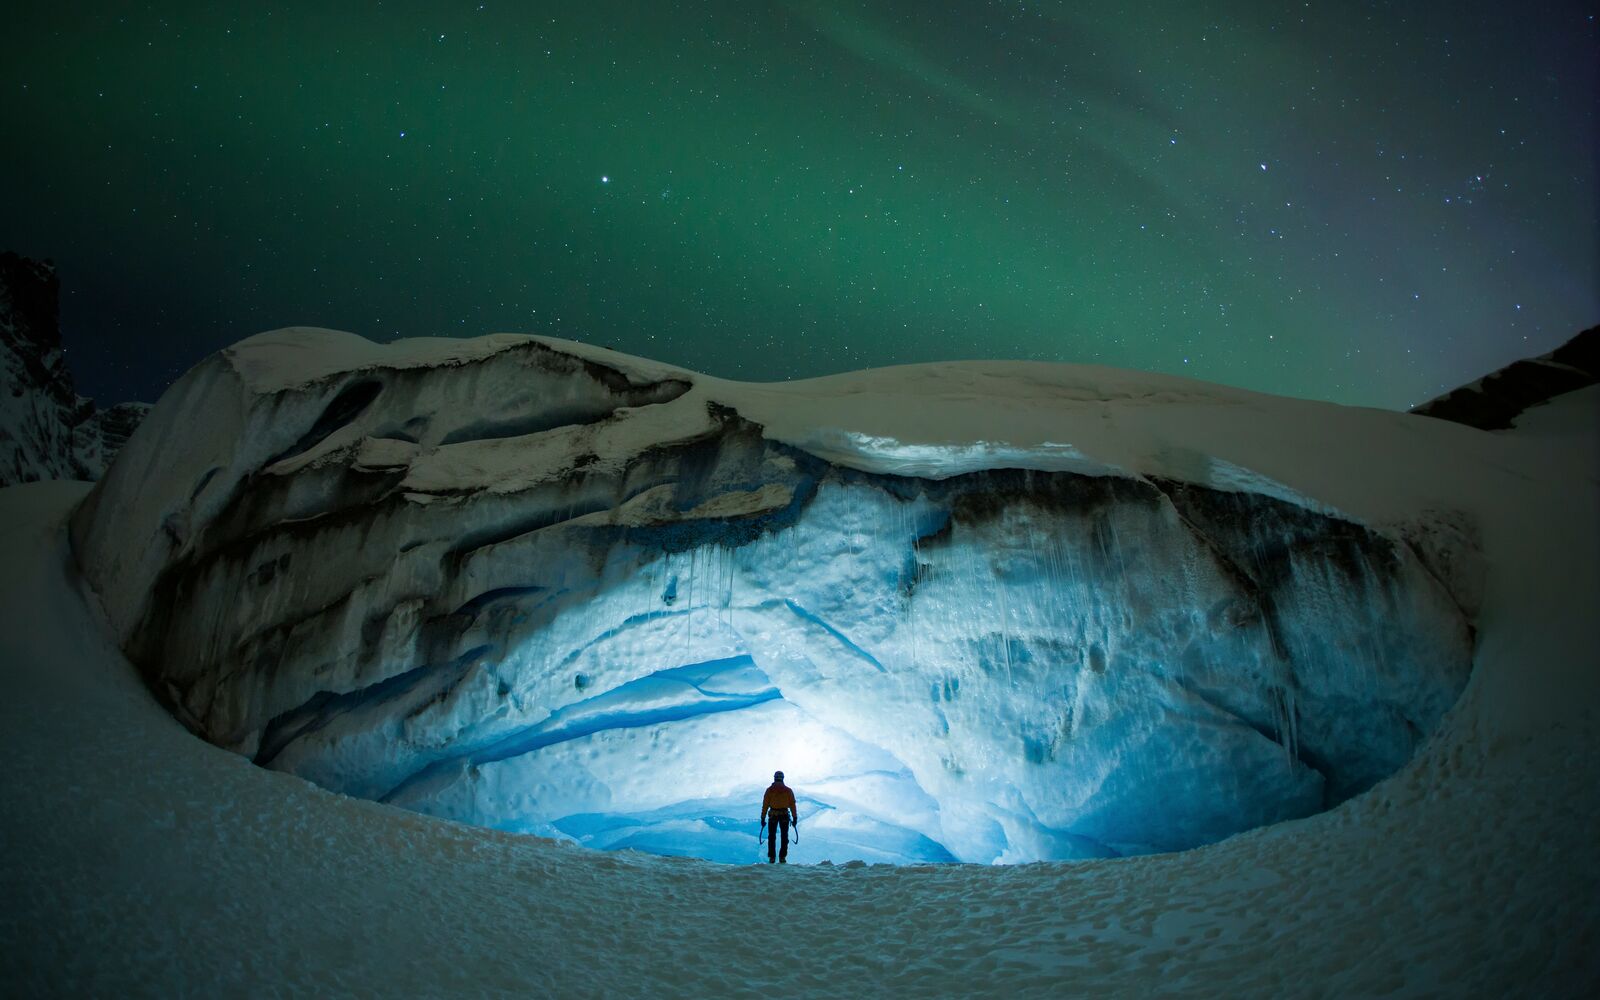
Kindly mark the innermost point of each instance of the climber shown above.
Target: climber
(777, 811)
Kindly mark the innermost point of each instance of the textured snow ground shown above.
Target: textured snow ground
(136, 859)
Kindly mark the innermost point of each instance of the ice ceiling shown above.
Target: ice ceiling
(523, 589)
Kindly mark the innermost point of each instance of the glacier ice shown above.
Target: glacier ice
(548, 589)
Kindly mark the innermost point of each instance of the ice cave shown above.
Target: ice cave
(535, 586)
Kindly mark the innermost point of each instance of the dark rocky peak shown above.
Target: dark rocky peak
(1493, 402)
(30, 325)
(47, 431)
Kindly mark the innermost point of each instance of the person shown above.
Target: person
(777, 810)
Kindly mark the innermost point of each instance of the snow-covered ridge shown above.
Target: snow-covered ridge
(930, 420)
(297, 356)
(995, 610)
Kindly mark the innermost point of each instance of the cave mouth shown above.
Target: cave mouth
(998, 684)
(675, 762)
(515, 597)
(999, 668)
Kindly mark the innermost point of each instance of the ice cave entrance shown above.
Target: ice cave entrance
(1021, 712)
(1002, 666)
(1099, 673)
(528, 591)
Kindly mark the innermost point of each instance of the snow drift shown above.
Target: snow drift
(979, 612)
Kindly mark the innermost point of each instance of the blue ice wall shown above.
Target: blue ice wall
(998, 666)
(1003, 666)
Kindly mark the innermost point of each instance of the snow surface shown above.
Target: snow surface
(137, 859)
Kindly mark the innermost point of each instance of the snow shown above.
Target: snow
(1571, 415)
(297, 356)
(941, 420)
(139, 860)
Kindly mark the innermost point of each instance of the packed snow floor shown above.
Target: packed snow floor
(137, 860)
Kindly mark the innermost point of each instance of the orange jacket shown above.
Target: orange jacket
(778, 798)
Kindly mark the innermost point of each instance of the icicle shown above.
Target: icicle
(1294, 725)
(732, 570)
(1005, 629)
(1116, 544)
(719, 603)
(916, 591)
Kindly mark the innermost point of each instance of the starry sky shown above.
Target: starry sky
(1363, 202)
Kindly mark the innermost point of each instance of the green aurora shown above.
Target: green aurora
(1368, 203)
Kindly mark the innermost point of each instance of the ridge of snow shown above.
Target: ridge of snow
(931, 420)
(296, 356)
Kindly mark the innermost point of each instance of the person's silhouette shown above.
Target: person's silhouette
(777, 811)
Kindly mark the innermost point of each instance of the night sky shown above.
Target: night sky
(1362, 202)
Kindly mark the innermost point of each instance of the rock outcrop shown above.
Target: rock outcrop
(532, 585)
(1495, 401)
(47, 431)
